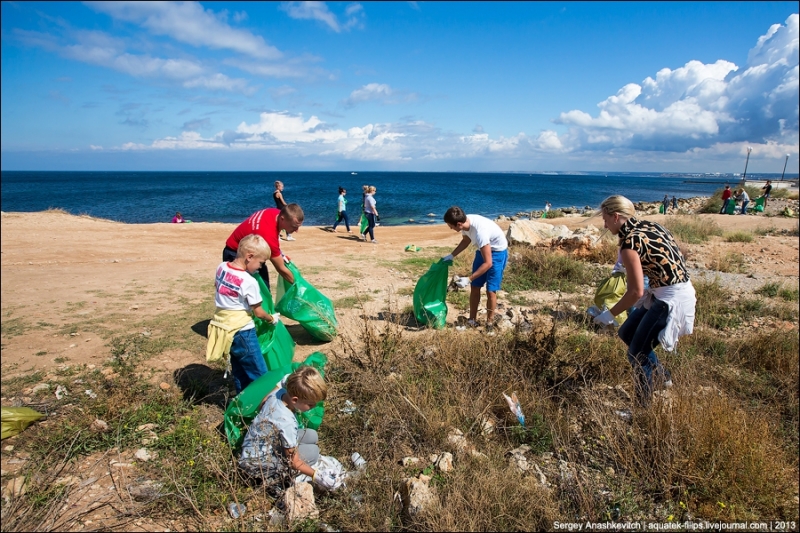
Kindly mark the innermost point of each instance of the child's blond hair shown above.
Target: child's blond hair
(253, 244)
(306, 384)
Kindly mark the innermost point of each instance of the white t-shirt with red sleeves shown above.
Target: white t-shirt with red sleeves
(236, 290)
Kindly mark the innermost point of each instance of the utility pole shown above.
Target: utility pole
(744, 177)
(784, 166)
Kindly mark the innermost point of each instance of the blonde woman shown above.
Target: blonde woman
(371, 211)
(280, 203)
(665, 310)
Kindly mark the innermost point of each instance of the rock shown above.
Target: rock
(487, 425)
(40, 387)
(532, 232)
(416, 496)
(299, 502)
(410, 461)
(445, 462)
(165, 386)
(16, 488)
(147, 427)
(99, 426)
(145, 492)
(142, 455)
(66, 481)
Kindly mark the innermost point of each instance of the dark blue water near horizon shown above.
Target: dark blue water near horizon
(402, 197)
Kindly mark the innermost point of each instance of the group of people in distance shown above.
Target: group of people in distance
(369, 209)
(276, 448)
(741, 196)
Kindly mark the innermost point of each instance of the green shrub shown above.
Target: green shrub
(739, 236)
(691, 229)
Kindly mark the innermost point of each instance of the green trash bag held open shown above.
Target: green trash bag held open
(609, 292)
(276, 343)
(302, 302)
(430, 295)
(244, 407)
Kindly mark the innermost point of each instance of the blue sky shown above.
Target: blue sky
(673, 86)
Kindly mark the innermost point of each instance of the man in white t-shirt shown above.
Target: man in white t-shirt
(490, 259)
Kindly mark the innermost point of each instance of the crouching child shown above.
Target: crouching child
(275, 449)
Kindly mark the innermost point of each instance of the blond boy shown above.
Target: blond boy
(238, 299)
(275, 446)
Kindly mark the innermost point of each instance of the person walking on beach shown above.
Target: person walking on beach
(726, 199)
(674, 203)
(665, 310)
(743, 197)
(488, 265)
(342, 211)
(767, 190)
(665, 203)
(371, 212)
(280, 203)
(268, 223)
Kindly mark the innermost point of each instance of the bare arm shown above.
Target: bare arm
(635, 282)
(280, 266)
(462, 245)
(486, 253)
(260, 313)
(297, 463)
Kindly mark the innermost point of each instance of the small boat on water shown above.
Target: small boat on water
(354, 173)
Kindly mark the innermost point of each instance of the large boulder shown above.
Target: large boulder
(533, 232)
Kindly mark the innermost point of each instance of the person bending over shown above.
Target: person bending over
(665, 310)
(489, 263)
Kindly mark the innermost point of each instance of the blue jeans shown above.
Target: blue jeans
(247, 362)
(725, 203)
(744, 208)
(371, 226)
(640, 332)
(342, 216)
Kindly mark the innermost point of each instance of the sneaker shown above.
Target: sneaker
(289, 238)
(374, 241)
(363, 237)
(667, 379)
(472, 323)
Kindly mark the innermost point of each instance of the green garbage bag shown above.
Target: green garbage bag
(245, 406)
(430, 295)
(276, 343)
(661, 209)
(363, 224)
(302, 302)
(759, 205)
(14, 420)
(609, 292)
(731, 210)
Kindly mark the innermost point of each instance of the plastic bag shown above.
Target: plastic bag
(302, 302)
(277, 345)
(244, 407)
(363, 224)
(609, 292)
(759, 206)
(16, 419)
(430, 295)
(661, 209)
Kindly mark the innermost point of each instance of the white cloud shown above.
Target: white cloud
(220, 82)
(377, 92)
(699, 106)
(189, 23)
(319, 11)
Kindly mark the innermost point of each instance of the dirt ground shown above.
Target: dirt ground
(58, 269)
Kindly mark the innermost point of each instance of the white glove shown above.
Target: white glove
(326, 479)
(462, 282)
(448, 257)
(605, 319)
(593, 311)
(286, 258)
(276, 317)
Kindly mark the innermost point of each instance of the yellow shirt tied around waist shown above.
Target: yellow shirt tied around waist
(221, 330)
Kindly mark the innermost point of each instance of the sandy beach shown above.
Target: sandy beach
(60, 269)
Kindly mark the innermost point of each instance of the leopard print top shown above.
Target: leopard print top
(662, 261)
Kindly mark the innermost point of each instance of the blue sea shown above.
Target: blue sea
(402, 197)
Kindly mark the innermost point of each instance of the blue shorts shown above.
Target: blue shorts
(494, 276)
